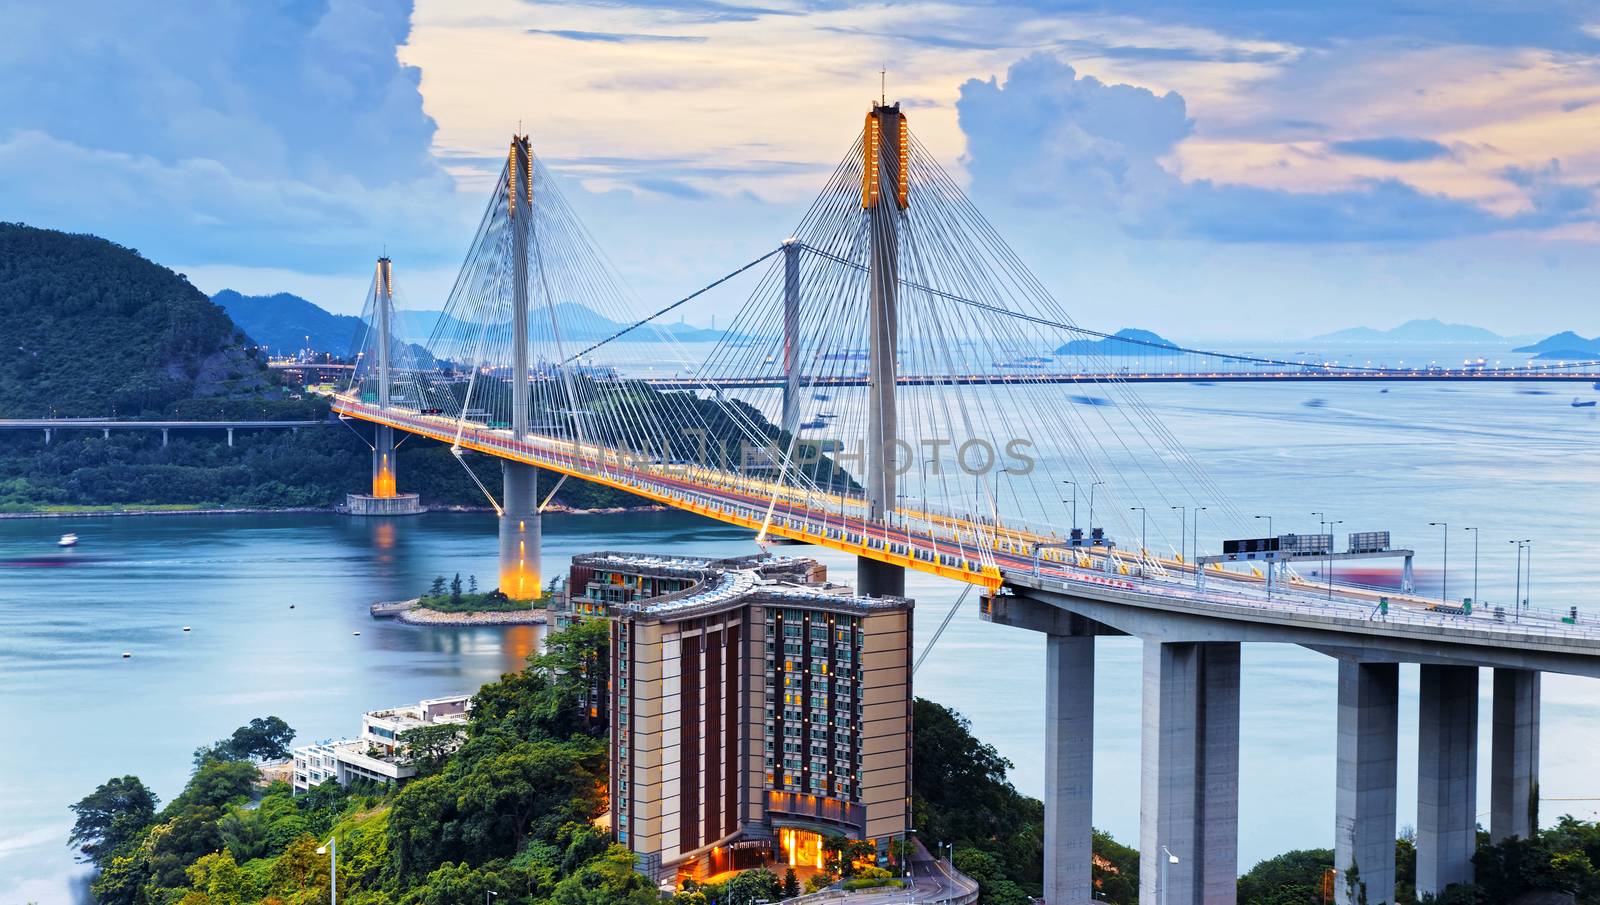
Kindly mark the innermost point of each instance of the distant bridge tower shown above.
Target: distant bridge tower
(885, 196)
(519, 514)
(385, 499)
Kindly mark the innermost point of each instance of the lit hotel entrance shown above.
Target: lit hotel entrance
(800, 848)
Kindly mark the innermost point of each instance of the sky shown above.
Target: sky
(1254, 168)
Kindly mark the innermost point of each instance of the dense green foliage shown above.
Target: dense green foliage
(510, 813)
(91, 327)
(962, 797)
(1293, 878)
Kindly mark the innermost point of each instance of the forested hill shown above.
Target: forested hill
(88, 328)
(286, 323)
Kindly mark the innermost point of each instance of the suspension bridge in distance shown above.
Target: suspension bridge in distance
(893, 276)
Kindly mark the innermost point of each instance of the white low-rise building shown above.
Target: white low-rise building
(379, 754)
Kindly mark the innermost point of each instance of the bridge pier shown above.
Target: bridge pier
(520, 531)
(47, 436)
(385, 499)
(1069, 770)
(1189, 782)
(1447, 777)
(230, 436)
(1514, 761)
(1365, 802)
(164, 437)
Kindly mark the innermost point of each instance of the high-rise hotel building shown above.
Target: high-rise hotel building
(755, 708)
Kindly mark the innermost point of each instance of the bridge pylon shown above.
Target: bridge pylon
(385, 498)
(884, 198)
(520, 529)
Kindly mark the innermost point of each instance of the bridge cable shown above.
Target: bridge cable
(940, 631)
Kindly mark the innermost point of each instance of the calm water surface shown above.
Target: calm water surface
(273, 602)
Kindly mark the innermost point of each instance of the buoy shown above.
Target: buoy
(126, 655)
(186, 628)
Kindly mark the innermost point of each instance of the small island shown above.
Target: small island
(458, 604)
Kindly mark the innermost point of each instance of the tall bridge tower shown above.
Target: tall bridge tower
(519, 512)
(385, 498)
(885, 196)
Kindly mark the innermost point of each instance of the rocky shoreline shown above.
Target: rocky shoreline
(408, 612)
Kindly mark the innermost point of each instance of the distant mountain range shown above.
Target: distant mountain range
(1127, 341)
(285, 323)
(1429, 330)
(1564, 346)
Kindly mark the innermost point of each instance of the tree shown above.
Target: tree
(750, 886)
(215, 879)
(608, 880)
(1291, 877)
(437, 588)
(217, 783)
(472, 584)
(429, 744)
(110, 817)
(263, 738)
(791, 884)
(455, 590)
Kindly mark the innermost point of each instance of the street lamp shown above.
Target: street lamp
(1142, 513)
(1475, 600)
(1183, 528)
(1169, 860)
(1331, 525)
(1195, 537)
(1444, 585)
(331, 849)
(1516, 604)
(1528, 592)
(1074, 486)
(1091, 504)
(487, 893)
(1269, 524)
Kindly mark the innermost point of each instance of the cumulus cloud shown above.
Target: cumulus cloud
(1046, 136)
(271, 134)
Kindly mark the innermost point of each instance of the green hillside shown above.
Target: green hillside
(89, 328)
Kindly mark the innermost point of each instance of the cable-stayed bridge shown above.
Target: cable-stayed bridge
(841, 409)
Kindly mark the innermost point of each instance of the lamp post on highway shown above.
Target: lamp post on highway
(1444, 583)
(1183, 527)
(1194, 543)
(1272, 563)
(1269, 524)
(1142, 513)
(1074, 486)
(1169, 859)
(1331, 525)
(1516, 604)
(1091, 504)
(1527, 593)
(331, 849)
(1475, 600)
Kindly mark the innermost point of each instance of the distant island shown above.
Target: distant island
(1127, 341)
(1564, 346)
(1426, 330)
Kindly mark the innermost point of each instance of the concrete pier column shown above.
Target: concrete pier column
(383, 463)
(1069, 770)
(1514, 762)
(1364, 807)
(520, 532)
(163, 436)
(1447, 777)
(1189, 783)
(230, 436)
(47, 436)
(791, 335)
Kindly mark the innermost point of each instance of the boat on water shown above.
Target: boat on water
(1583, 403)
(68, 540)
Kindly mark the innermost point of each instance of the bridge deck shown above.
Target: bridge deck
(976, 552)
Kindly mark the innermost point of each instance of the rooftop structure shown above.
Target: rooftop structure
(378, 754)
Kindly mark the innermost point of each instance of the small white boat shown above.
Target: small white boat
(68, 540)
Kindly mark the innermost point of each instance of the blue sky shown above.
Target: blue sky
(1258, 168)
